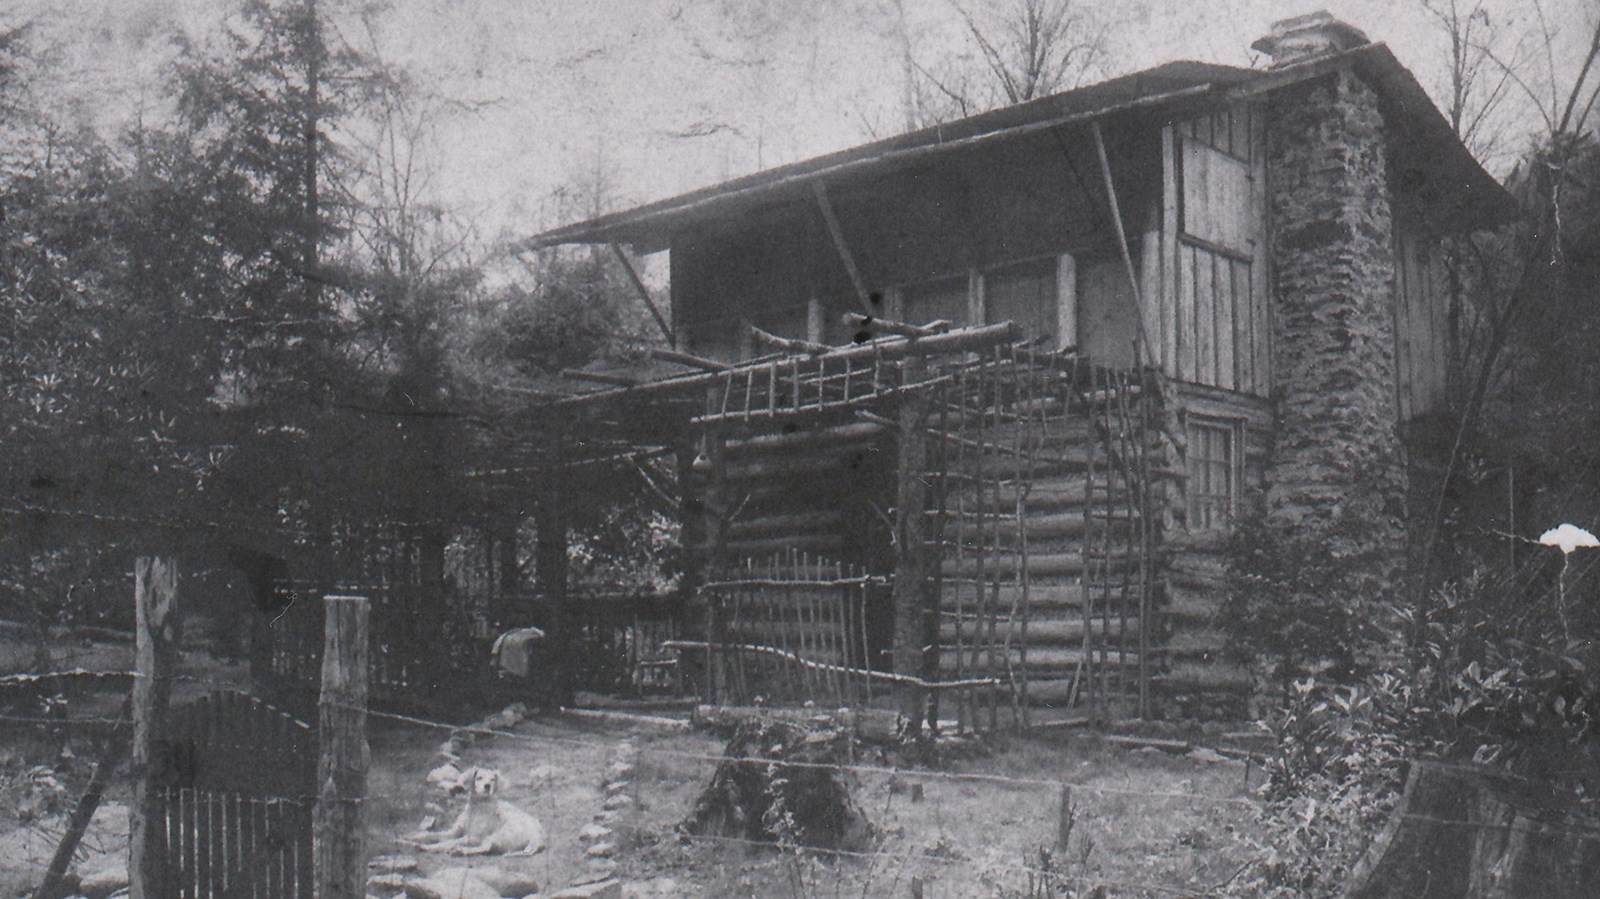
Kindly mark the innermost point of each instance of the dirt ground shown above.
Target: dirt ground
(1144, 822)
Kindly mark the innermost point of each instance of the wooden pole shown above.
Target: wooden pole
(339, 829)
(911, 550)
(1143, 333)
(1067, 818)
(713, 528)
(550, 567)
(112, 751)
(644, 294)
(848, 259)
(155, 594)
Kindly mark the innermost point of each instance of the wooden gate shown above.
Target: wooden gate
(236, 786)
(791, 628)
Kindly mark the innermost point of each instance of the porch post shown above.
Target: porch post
(911, 605)
(550, 567)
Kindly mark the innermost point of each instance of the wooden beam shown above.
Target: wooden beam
(688, 359)
(1122, 236)
(600, 377)
(644, 294)
(957, 341)
(339, 826)
(837, 233)
(788, 344)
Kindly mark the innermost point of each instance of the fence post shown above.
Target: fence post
(338, 834)
(911, 610)
(155, 596)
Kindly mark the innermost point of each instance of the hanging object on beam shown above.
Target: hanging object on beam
(875, 325)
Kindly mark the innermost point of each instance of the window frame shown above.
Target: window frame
(1216, 509)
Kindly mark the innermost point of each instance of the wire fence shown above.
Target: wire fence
(1170, 828)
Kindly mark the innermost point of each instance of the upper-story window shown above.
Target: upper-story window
(1214, 326)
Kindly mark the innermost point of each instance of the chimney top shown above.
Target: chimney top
(1307, 37)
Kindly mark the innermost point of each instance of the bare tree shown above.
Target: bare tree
(1484, 58)
(1507, 273)
(1016, 51)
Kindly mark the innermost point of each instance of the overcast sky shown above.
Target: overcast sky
(666, 95)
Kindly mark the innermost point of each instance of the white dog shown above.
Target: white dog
(486, 826)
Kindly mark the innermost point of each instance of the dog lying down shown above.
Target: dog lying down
(486, 826)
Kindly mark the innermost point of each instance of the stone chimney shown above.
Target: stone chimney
(1307, 37)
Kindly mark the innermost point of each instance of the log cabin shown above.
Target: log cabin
(1010, 379)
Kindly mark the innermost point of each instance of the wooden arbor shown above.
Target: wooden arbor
(992, 500)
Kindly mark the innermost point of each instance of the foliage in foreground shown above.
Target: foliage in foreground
(1491, 682)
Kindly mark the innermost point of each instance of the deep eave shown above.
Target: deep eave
(1464, 196)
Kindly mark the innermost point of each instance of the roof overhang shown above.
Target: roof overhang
(1453, 186)
(649, 227)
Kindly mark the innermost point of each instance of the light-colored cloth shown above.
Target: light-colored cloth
(513, 651)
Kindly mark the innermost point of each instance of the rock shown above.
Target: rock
(616, 786)
(1205, 754)
(102, 882)
(610, 888)
(520, 709)
(509, 883)
(591, 832)
(617, 801)
(445, 776)
(660, 886)
(393, 864)
(541, 774)
(619, 771)
(454, 883)
(601, 850)
(502, 720)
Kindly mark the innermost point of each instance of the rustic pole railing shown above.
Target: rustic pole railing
(339, 832)
(155, 592)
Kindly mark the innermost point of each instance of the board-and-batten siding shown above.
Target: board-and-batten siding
(1212, 314)
(1422, 323)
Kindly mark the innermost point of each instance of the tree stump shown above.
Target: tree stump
(766, 790)
(1459, 833)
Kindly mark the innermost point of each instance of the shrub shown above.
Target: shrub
(1337, 771)
(1304, 601)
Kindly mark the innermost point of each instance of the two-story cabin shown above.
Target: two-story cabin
(1259, 247)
